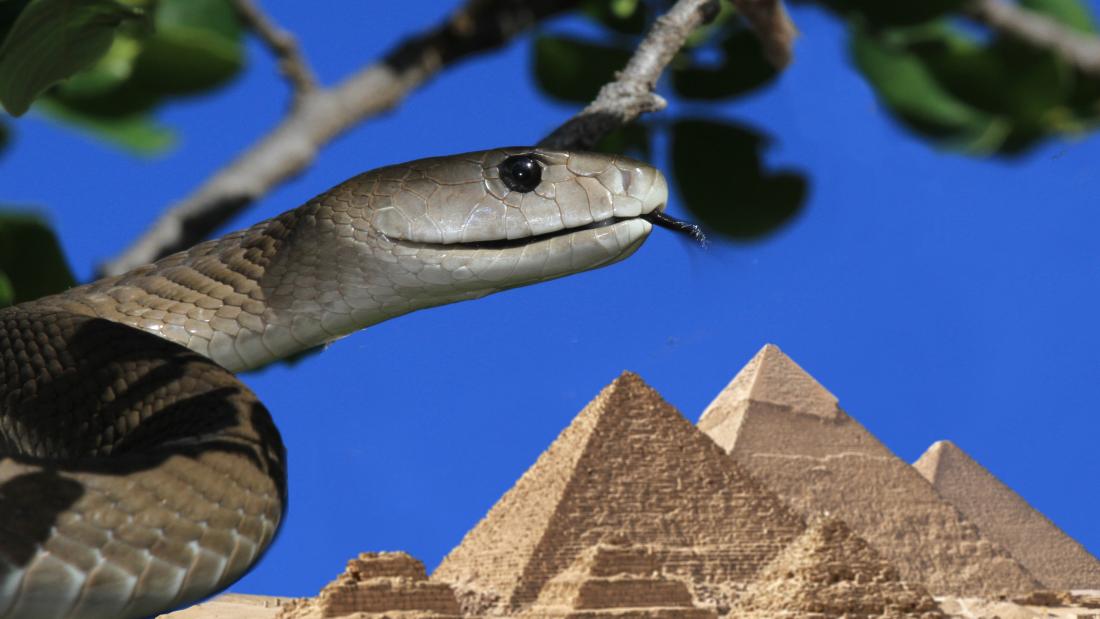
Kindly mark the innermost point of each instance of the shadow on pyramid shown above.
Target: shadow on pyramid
(629, 467)
(788, 431)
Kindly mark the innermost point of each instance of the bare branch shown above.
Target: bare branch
(1079, 49)
(324, 113)
(283, 46)
(632, 93)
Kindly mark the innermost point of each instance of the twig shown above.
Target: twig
(1079, 49)
(632, 93)
(325, 113)
(292, 63)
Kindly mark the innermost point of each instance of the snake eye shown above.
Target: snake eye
(521, 173)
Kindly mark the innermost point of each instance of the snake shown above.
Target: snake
(138, 474)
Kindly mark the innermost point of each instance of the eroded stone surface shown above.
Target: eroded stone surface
(829, 465)
(1003, 516)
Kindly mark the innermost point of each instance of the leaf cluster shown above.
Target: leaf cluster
(105, 65)
(958, 86)
(716, 164)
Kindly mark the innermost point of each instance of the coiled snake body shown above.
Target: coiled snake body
(137, 474)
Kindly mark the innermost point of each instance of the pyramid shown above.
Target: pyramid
(615, 581)
(789, 432)
(629, 467)
(1054, 558)
(379, 584)
(831, 572)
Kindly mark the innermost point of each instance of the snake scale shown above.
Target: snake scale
(138, 474)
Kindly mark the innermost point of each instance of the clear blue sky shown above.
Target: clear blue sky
(939, 297)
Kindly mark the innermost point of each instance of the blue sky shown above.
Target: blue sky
(938, 296)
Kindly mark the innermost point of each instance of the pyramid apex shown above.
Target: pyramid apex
(774, 378)
(630, 386)
(933, 459)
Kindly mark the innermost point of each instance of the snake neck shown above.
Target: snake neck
(285, 285)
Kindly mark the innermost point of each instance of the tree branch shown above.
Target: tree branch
(292, 64)
(632, 93)
(324, 113)
(1079, 49)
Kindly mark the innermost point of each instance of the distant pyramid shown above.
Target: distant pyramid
(629, 467)
(1004, 517)
(379, 584)
(615, 581)
(788, 431)
(830, 572)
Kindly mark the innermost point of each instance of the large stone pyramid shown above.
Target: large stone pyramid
(789, 432)
(615, 581)
(830, 572)
(629, 468)
(1005, 517)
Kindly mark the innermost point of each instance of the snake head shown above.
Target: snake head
(512, 216)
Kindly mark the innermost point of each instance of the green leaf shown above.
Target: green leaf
(625, 16)
(881, 14)
(108, 73)
(632, 139)
(1004, 78)
(574, 70)
(51, 40)
(906, 84)
(197, 46)
(7, 292)
(32, 264)
(9, 11)
(1072, 13)
(723, 182)
(744, 68)
(137, 132)
(913, 91)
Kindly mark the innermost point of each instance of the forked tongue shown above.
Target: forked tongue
(669, 222)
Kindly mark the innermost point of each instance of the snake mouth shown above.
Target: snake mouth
(655, 217)
(527, 240)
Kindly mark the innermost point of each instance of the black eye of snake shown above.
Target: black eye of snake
(521, 173)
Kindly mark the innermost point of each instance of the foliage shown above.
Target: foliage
(31, 261)
(985, 95)
(105, 65)
(572, 69)
(980, 93)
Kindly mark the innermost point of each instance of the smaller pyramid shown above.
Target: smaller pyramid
(781, 425)
(1053, 557)
(378, 584)
(615, 581)
(831, 572)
